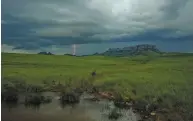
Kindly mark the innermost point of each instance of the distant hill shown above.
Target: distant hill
(45, 53)
(143, 49)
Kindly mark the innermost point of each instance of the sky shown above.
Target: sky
(31, 26)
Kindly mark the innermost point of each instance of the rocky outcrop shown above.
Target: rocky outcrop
(131, 50)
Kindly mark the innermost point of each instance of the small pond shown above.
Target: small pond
(86, 110)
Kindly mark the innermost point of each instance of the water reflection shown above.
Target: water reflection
(85, 110)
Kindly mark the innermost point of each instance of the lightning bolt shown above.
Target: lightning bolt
(74, 49)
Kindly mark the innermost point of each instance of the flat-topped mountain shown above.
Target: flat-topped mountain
(143, 49)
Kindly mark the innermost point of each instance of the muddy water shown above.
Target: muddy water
(84, 111)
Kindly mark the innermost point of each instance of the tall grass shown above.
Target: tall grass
(168, 76)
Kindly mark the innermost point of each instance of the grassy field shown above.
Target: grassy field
(169, 75)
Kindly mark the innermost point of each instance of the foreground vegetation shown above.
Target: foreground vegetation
(165, 79)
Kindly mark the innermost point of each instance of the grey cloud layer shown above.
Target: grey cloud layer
(84, 21)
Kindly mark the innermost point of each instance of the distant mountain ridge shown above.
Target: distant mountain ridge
(142, 49)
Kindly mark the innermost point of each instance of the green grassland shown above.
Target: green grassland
(167, 75)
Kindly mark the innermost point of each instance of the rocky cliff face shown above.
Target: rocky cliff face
(131, 51)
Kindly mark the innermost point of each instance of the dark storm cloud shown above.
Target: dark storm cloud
(35, 24)
(173, 7)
